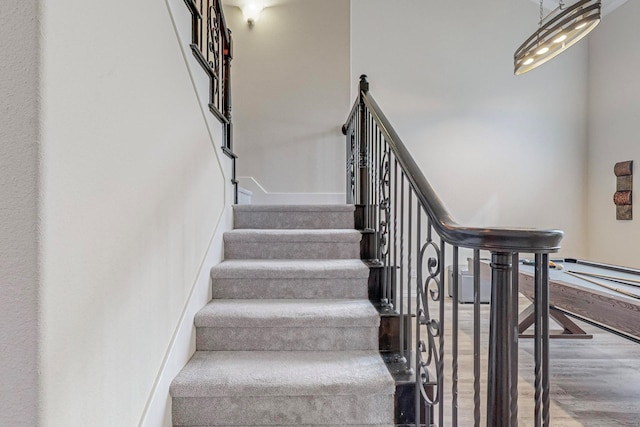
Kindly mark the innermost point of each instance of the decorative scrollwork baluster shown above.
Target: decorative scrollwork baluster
(351, 172)
(385, 219)
(213, 51)
(430, 288)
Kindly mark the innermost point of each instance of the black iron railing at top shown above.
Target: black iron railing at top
(212, 45)
(410, 235)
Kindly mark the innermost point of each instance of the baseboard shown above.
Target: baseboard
(157, 412)
(260, 196)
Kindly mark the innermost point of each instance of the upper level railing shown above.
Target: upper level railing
(411, 235)
(212, 45)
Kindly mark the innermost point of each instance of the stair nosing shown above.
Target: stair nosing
(294, 208)
(278, 373)
(292, 235)
(290, 269)
(287, 313)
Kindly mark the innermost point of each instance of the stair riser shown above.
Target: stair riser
(289, 288)
(287, 339)
(371, 410)
(291, 250)
(293, 220)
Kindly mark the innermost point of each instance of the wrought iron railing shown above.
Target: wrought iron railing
(212, 45)
(409, 236)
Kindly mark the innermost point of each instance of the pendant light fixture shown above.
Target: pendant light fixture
(559, 30)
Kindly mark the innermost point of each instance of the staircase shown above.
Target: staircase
(289, 337)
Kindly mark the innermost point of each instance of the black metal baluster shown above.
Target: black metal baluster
(378, 189)
(401, 298)
(394, 204)
(221, 64)
(361, 182)
(367, 137)
(373, 214)
(544, 296)
(409, 274)
(427, 320)
(205, 47)
(387, 219)
(203, 27)
(514, 339)
(373, 129)
(380, 223)
(537, 345)
(218, 66)
(440, 375)
(356, 155)
(454, 339)
(476, 337)
(418, 370)
(379, 228)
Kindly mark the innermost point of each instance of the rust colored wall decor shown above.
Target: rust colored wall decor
(624, 185)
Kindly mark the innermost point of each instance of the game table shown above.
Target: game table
(604, 295)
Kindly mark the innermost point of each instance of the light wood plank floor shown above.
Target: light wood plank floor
(594, 383)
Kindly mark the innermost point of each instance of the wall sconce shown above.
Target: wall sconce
(251, 11)
(558, 31)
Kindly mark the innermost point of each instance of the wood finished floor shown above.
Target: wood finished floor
(594, 383)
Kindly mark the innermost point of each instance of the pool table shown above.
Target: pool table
(577, 288)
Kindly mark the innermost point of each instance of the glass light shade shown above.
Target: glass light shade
(557, 34)
(251, 11)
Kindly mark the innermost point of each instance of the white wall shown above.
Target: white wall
(19, 198)
(499, 149)
(614, 107)
(132, 193)
(290, 97)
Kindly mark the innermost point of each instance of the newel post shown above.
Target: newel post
(228, 56)
(228, 126)
(363, 157)
(502, 392)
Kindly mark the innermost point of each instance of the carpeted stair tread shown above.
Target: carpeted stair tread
(293, 216)
(291, 269)
(291, 313)
(283, 373)
(287, 325)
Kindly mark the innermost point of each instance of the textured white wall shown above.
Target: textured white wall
(133, 191)
(614, 106)
(499, 149)
(291, 95)
(19, 199)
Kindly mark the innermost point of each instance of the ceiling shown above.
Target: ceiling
(607, 5)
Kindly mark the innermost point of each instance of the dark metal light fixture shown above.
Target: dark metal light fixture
(559, 30)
